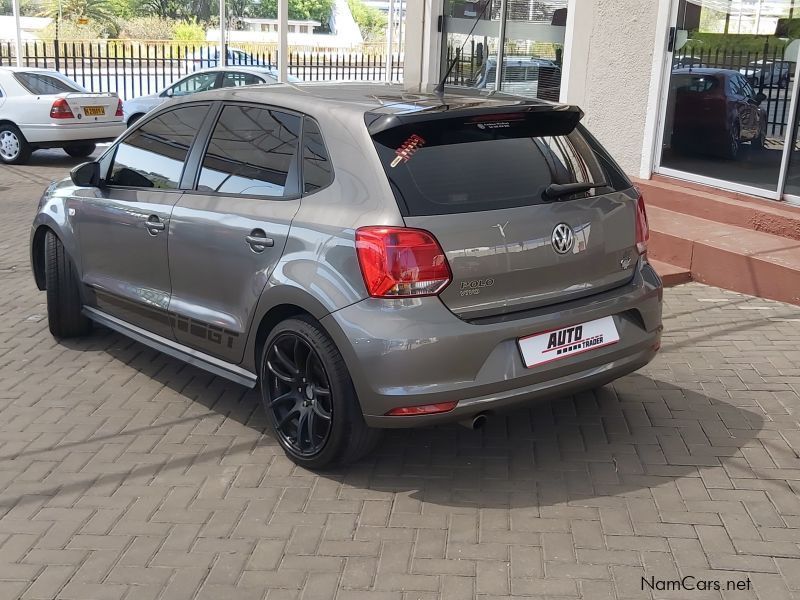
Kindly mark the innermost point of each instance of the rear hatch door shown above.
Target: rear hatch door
(479, 182)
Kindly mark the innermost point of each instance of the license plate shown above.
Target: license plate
(94, 111)
(545, 347)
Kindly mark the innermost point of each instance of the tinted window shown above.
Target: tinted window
(251, 152)
(504, 161)
(240, 79)
(694, 83)
(45, 85)
(194, 84)
(153, 155)
(317, 168)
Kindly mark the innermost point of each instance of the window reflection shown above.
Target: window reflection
(153, 155)
(251, 152)
(729, 92)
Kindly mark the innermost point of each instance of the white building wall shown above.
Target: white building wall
(613, 57)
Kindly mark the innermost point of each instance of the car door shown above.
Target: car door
(227, 235)
(123, 229)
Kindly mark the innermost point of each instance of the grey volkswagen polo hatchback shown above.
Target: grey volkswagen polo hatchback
(370, 258)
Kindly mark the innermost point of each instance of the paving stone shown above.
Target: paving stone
(125, 474)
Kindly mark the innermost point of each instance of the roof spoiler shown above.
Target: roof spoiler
(561, 117)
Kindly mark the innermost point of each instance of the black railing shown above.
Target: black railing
(766, 70)
(139, 68)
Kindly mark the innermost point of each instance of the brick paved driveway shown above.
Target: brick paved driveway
(126, 474)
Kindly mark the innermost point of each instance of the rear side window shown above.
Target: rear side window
(240, 79)
(153, 156)
(45, 85)
(490, 162)
(252, 152)
(317, 168)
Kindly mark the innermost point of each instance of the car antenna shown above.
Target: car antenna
(439, 89)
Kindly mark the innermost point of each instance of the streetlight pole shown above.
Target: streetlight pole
(223, 50)
(15, 8)
(390, 42)
(283, 40)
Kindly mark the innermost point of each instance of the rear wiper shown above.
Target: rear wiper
(554, 191)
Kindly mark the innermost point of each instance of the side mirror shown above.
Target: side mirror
(169, 93)
(86, 174)
(760, 97)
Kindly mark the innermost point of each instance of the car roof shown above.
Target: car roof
(707, 71)
(360, 97)
(28, 70)
(238, 69)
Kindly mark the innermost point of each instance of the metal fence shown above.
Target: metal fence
(133, 69)
(767, 71)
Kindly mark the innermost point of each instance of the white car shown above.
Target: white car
(200, 81)
(41, 108)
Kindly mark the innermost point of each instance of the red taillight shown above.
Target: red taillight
(642, 227)
(400, 263)
(61, 110)
(426, 409)
(119, 112)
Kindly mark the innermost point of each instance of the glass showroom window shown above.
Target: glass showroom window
(729, 99)
(526, 37)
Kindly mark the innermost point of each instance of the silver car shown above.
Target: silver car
(199, 81)
(369, 258)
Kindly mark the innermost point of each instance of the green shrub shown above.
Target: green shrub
(189, 31)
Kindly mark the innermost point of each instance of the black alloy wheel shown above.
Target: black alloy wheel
(300, 396)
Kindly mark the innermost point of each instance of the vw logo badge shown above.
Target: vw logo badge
(563, 238)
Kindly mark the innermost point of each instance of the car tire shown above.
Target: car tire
(134, 118)
(14, 148)
(731, 151)
(760, 143)
(64, 305)
(80, 150)
(309, 397)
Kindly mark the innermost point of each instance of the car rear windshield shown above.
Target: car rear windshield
(698, 84)
(45, 85)
(491, 162)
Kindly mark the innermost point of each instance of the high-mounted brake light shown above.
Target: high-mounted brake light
(61, 110)
(642, 227)
(119, 112)
(398, 262)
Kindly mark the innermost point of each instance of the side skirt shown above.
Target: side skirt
(193, 357)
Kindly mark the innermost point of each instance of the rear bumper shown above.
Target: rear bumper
(416, 352)
(55, 134)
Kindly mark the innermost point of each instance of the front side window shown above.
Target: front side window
(154, 154)
(194, 84)
(45, 85)
(251, 152)
(317, 168)
(240, 79)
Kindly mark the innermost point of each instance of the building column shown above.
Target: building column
(577, 42)
(422, 46)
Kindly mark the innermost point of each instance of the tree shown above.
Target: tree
(303, 10)
(95, 11)
(371, 21)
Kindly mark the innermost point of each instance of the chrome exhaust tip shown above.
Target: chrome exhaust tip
(474, 423)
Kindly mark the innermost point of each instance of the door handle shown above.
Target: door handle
(154, 225)
(258, 241)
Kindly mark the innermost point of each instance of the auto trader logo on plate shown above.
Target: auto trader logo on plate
(548, 346)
